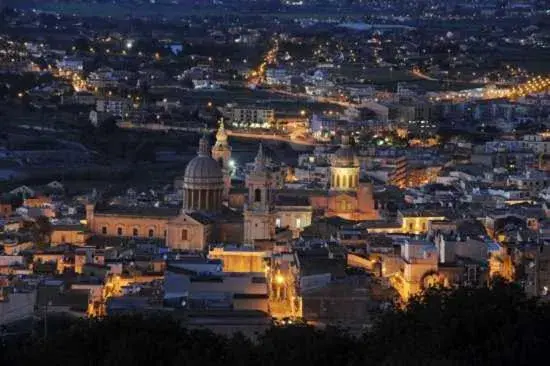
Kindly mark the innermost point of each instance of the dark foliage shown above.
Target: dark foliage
(488, 326)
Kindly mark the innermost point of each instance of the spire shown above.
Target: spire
(259, 161)
(204, 146)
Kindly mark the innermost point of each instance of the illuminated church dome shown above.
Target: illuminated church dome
(344, 170)
(203, 182)
(344, 156)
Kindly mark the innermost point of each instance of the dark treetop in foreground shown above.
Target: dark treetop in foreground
(488, 326)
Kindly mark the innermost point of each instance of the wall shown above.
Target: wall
(5, 210)
(417, 225)
(240, 261)
(256, 303)
(258, 226)
(289, 216)
(197, 236)
(128, 223)
(68, 236)
(318, 202)
(229, 232)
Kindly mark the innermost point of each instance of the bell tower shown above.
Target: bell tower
(259, 220)
(221, 152)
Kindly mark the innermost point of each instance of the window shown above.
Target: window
(278, 222)
(104, 230)
(63, 240)
(184, 234)
(411, 226)
(151, 233)
(298, 222)
(135, 232)
(257, 195)
(119, 231)
(164, 234)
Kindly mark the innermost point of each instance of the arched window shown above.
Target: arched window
(257, 195)
(338, 181)
(119, 231)
(135, 232)
(151, 233)
(104, 230)
(184, 234)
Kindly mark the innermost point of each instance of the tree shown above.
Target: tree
(42, 230)
(495, 325)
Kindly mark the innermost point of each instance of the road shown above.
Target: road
(18, 307)
(272, 137)
(257, 76)
(419, 74)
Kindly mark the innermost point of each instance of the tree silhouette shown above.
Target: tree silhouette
(42, 230)
(495, 325)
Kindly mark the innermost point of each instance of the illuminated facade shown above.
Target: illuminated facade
(419, 269)
(348, 198)
(239, 260)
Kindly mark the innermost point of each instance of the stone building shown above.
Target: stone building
(201, 220)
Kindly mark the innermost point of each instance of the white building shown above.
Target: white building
(115, 106)
(253, 117)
